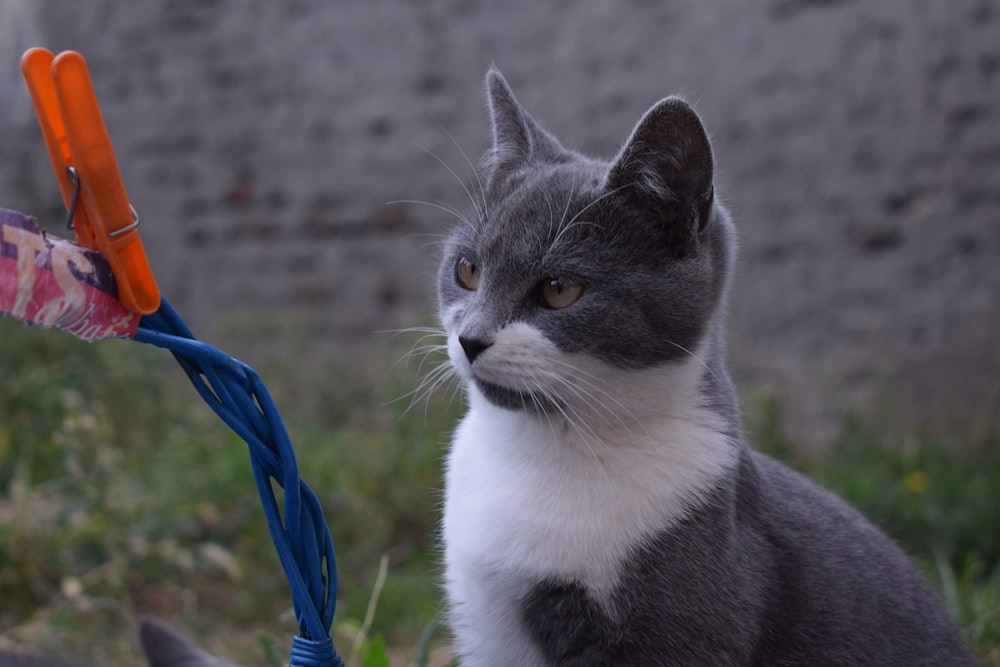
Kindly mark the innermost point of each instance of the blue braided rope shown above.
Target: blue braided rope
(238, 396)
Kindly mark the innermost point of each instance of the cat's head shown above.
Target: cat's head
(568, 268)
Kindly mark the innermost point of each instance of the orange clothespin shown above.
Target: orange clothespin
(84, 163)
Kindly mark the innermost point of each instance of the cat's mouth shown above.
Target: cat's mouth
(514, 399)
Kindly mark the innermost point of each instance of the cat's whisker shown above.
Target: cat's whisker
(425, 398)
(600, 401)
(552, 400)
(592, 382)
(426, 330)
(588, 436)
(548, 203)
(593, 402)
(472, 168)
(571, 415)
(549, 421)
(538, 405)
(557, 423)
(437, 241)
(439, 206)
(583, 210)
(442, 373)
(569, 201)
(458, 392)
(428, 380)
(563, 227)
(419, 345)
(475, 204)
(427, 333)
(418, 348)
(694, 356)
(430, 244)
(425, 352)
(423, 356)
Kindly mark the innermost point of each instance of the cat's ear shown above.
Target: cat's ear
(165, 647)
(668, 160)
(517, 137)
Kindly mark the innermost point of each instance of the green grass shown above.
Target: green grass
(122, 495)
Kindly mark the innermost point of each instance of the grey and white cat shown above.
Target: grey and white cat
(602, 506)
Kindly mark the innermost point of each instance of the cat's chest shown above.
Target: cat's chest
(535, 500)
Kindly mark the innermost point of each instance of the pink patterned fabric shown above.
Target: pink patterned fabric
(51, 282)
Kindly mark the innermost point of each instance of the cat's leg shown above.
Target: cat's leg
(569, 626)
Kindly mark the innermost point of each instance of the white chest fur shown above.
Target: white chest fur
(530, 497)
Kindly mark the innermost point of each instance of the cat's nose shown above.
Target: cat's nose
(473, 347)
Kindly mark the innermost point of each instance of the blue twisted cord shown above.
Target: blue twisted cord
(238, 396)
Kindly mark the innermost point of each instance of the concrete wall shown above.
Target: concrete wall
(858, 145)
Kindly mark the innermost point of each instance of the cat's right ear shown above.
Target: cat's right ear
(517, 138)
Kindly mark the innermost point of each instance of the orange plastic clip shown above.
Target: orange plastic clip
(77, 140)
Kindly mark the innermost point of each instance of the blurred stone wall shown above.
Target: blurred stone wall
(858, 145)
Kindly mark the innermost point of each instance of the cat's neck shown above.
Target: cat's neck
(679, 419)
(521, 474)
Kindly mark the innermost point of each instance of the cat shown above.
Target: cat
(162, 646)
(601, 504)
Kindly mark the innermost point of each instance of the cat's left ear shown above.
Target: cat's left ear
(165, 647)
(668, 159)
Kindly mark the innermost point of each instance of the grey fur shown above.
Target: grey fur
(768, 569)
(538, 217)
(162, 645)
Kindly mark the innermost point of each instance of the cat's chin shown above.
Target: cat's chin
(512, 399)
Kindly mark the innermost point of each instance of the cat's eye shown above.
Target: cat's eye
(467, 274)
(560, 292)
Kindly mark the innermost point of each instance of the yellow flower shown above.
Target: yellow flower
(916, 481)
